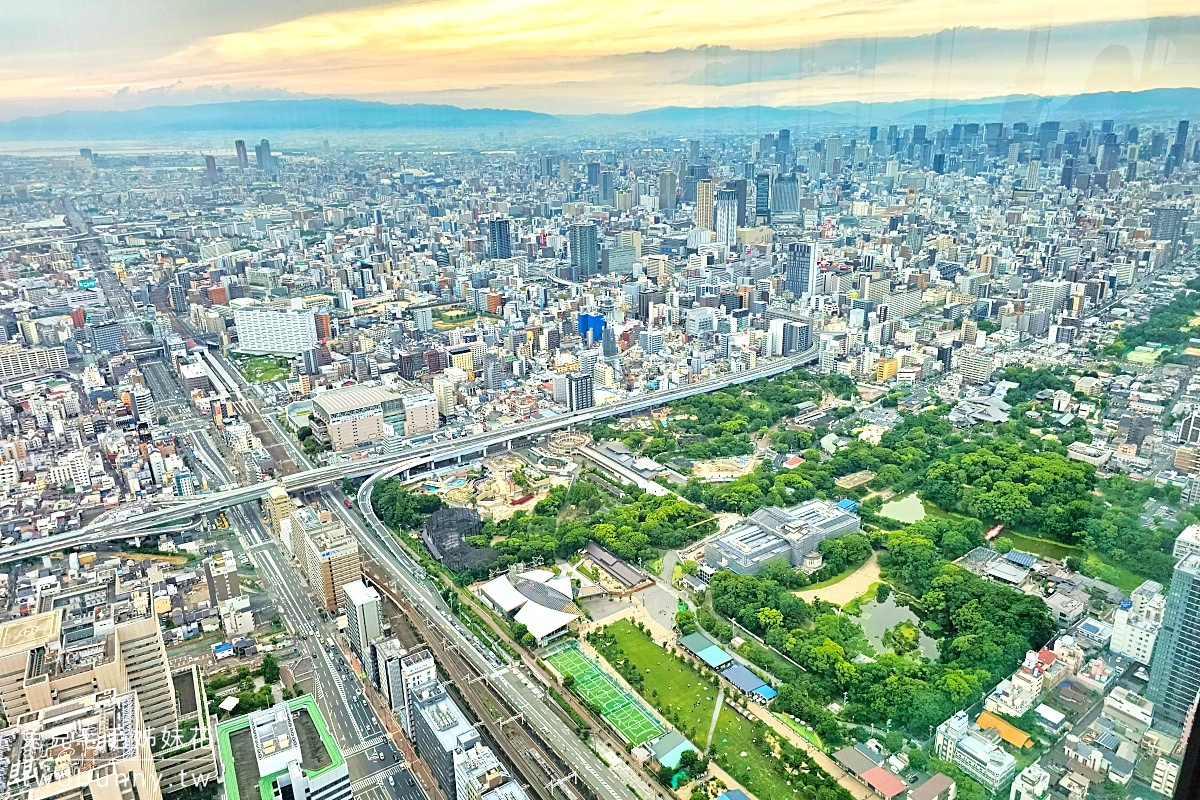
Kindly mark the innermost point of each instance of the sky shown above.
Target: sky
(572, 57)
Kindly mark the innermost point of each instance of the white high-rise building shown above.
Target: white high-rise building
(1137, 621)
(725, 217)
(275, 331)
(364, 620)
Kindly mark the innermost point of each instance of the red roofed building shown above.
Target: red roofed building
(884, 783)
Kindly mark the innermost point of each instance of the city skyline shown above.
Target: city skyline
(556, 58)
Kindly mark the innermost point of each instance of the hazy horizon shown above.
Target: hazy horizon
(560, 58)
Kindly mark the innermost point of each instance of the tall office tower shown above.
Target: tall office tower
(92, 746)
(704, 204)
(417, 669)
(243, 160)
(762, 197)
(499, 237)
(741, 188)
(799, 273)
(364, 623)
(785, 197)
(668, 189)
(783, 145)
(833, 153)
(1175, 665)
(593, 173)
(1068, 172)
(694, 152)
(210, 170)
(285, 751)
(1050, 295)
(725, 217)
(584, 245)
(1033, 176)
(1178, 153)
(262, 155)
(608, 187)
(580, 392)
(1167, 223)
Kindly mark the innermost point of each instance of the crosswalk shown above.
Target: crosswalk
(376, 778)
(364, 746)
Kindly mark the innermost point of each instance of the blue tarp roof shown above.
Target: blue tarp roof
(765, 692)
(714, 656)
(706, 649)
(1023, 559)
(669, 747)
(742, 678)
(734, 794)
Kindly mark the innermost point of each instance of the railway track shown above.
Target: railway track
(540, 770)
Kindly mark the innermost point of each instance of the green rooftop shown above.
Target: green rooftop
(239, 766)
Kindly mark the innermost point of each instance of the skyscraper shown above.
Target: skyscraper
(800, 269)
(210, 170)
(585, 250)
(785, 199)
(580, 392)
(262, 155)
(704, 204)
(243, 161)
(593, 173)
(762, 197)
(725, 217)
(1175, 665)
(499, 237)
(668, 189)
(694, 151)
(363, 622)
(608, 187)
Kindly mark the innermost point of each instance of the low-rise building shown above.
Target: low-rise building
(977, 753)
(771, 533)
(284, 751)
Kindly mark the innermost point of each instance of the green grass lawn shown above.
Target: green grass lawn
(841, 576)
(264, 369)
(1122, 577)
(800, 728)
(681, 694)
(758, 770)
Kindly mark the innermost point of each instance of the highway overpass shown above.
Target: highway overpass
(125, 523)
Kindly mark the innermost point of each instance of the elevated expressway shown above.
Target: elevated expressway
(122, 523)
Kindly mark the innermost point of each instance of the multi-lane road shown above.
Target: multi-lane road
(377, 768)
(410, 459)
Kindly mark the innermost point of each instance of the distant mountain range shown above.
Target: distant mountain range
(263, 116)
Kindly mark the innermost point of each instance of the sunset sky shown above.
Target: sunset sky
(564, 56)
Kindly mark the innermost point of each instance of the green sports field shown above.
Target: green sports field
(625, 714)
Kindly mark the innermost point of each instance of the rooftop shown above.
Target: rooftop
(318, 751)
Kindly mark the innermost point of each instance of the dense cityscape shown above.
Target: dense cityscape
(846, 462)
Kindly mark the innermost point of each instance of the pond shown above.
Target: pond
(878, 617)
(906, 509)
